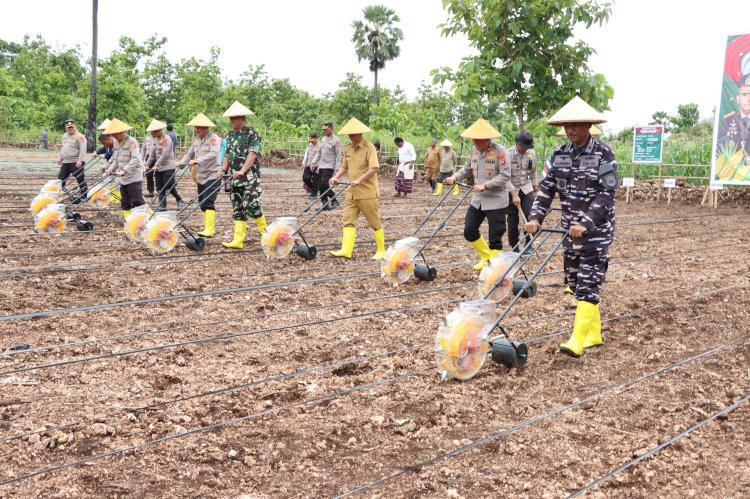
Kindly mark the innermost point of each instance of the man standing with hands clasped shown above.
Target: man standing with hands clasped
(72, 158)
(584, 174)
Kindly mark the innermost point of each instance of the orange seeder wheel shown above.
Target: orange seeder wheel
(277, 240)
(40, 202)
(51, 219)
(462, 347)
(161, 236)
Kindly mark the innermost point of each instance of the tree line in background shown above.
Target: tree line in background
(526, 68)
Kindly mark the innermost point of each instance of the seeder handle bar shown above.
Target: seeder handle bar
(548, 232)
(157, 197)
(336, 193)
(429, 215)
(182, 218)
(442, 224)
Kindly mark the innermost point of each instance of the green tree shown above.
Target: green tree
(351, 99)
(525, 53)
(687, 116)
(664, 119)
(376, 39)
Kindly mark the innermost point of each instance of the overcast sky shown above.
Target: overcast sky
(655, 53)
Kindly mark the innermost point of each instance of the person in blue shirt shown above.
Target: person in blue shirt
(106, 149)
(172, 136)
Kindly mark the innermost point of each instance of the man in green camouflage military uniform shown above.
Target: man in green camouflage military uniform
(243, 157)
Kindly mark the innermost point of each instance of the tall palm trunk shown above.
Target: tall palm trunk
(375, 95)
(91, 126)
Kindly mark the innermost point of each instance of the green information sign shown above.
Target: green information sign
(647, 144)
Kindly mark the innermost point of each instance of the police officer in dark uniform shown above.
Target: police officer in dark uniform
(583, 173)
(735, 127)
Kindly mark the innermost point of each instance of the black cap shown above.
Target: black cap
(313, 134)
(525, 139)
(328, 124)
(744, 84)
(69, 123)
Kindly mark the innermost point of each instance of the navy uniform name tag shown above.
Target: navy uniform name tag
(590, 162)
(562, 162)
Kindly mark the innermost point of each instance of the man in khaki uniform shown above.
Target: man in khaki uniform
(490, 165)
(204, 156)
(126, 163)
(310, 173)
(148, 144)
(432, 159)
(328, 161)
(448, 165)
(361, 163)
(161, 161)
(72, 158)
(523, 177)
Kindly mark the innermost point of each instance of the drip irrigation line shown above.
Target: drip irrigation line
(494, 436)
(723, 412)
(367, 386)
(307, 310)
(222, 424)
(268, 380)
(231, 388)
(200, 294)
(173, 259)
(224, 337)
(231, 321)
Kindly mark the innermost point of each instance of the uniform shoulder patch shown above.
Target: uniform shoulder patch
(213, 141)
(164, 140)
(133, 144)
(81, 138)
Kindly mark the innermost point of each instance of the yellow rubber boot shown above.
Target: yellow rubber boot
(584, 316)
(480, 246)
(438, 189)
(261, 224)
(568, 290)
(455, 190)
(125, 214)
(347, 243)
(594, 335)
(209, 224)
(379, 244)
(240, 231)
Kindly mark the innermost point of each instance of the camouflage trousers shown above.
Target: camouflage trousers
(245, 196)
(585, 273)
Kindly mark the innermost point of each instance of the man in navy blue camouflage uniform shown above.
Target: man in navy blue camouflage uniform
(583, 173)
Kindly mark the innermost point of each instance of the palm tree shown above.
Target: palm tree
(376, 39)
(91, 126)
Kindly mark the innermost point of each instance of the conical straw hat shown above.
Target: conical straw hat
(237, 109)
(576, 111)
(353, 127)
(446, 143)
(481, 129)
(201, 120)
(593, 131)
(104, 125)
(117, 126)
(156, 125)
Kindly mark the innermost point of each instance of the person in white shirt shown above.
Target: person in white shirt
(407, 157)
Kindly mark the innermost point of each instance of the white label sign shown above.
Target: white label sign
(628, 182)
(716, 185)
(670, 183)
